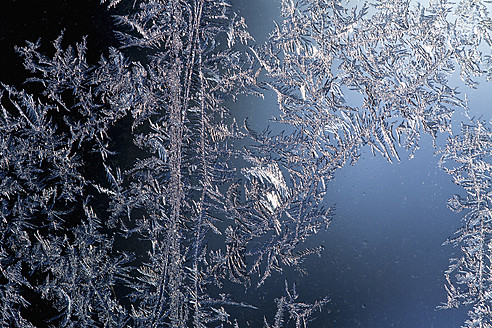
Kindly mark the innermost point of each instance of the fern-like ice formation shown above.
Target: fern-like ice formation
(398, 57)
(467, 158)
(58, 242)
(76, 200)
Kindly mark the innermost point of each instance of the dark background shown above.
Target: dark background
(30, 20)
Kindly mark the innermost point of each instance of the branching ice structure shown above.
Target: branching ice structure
(72, 206)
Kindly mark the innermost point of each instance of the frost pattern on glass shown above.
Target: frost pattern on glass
(398, 57)
(70, 210)
(467, 158)
(155, 233)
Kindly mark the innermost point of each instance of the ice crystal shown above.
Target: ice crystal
(467, 158)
